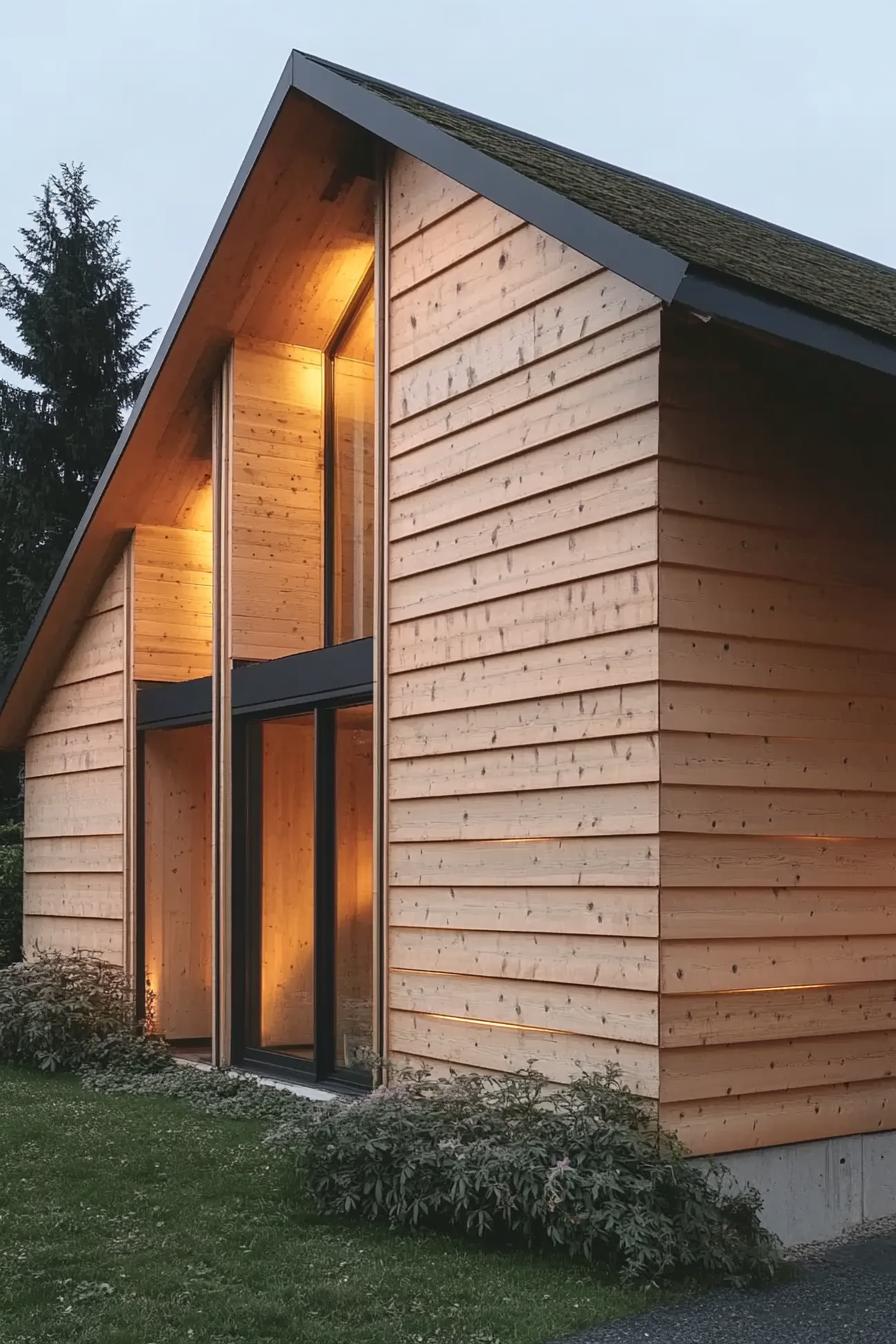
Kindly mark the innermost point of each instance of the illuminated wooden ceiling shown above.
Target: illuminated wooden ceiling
(292, 244)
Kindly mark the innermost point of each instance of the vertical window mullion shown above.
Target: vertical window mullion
(329, 467)
(324, 879)
(248, 778)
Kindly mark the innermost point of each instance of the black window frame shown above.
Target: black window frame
(246, 892)
(317, 681)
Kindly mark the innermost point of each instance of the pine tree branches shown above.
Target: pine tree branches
(77, 367)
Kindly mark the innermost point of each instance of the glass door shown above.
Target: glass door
(305, 960)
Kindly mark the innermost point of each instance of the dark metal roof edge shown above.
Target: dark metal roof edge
(284, 85)
(716, 295)
(591, 159)
(647, 264)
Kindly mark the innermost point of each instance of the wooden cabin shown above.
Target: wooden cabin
(481, 645)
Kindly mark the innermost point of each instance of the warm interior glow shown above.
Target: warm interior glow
(485, 1022)
(763, 989)
(177, 879)
(200, 510)
(287, 913)
(287, 883)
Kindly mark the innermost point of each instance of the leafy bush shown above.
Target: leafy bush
(72, 1012)
(10, 892)
(582, 1168)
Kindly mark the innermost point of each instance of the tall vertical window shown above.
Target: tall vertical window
(285, 850)
(352, 474)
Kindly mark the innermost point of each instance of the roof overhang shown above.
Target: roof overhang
(659, 271)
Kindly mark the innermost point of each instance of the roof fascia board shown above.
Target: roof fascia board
(636, 259)
(714, 296)
(281, 92)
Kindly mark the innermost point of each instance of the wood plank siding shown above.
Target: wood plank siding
(75, 789)
(172, 603)
(276, 499)
(522, 755)
(777, 746)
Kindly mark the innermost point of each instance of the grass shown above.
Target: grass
(128, 1220)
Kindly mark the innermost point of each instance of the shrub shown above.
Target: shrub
(72, 1012)
(10, 892)
(582, 1168)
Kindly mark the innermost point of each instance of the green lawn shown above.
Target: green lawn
(129, 1220)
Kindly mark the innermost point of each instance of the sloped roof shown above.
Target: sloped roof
(685, 250)
(695, 229)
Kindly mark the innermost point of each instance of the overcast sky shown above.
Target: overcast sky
(784, 108)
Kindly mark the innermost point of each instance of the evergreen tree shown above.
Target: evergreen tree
(78, 368)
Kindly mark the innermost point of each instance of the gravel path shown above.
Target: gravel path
(844, 1294)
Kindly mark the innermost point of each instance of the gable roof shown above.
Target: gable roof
(681, 248)
(695, 229)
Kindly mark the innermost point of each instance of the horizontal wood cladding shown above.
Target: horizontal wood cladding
(526, 723)
(777, 747)
(67, 934)
(592, 861)
(277, 499)
(798, 1115)
(728, 761)
(542, 518)
(75, 788)
(584, 1010)
(75, 895)
(86, 802)
(90, 747)
(589, 761)
(573, 959)
(610, 809)
(172, 603)
(567, 390)
(479, 288)
(73, 854)
(522, 608)
(788, 675)
(844, 615)
(623, 600)
(604, 547)
(578, 665)
(81, 704)
(602, 449)
(581, 409)
(692, 1072)
(776, 912)
(573, 910)
(426, 252)
(765, 963)
(771, 1015)
(500, 1049)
